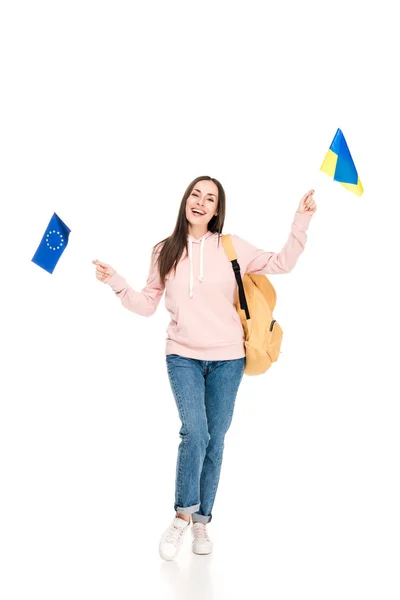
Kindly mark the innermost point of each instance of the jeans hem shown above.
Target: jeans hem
(201, 518)
(188, 510)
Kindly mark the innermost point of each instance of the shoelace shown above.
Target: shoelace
(174, 534)
(200, 530)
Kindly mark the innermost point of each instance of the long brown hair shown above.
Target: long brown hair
(177, 242)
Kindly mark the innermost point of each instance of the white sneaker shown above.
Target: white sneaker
(201, 542)
(172, 538)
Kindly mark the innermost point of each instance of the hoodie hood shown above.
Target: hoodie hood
(201, 241)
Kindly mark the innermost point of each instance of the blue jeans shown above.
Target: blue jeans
(205, 393)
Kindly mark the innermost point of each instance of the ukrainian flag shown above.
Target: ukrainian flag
(339, 165)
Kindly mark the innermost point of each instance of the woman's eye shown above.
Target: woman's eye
(196, 196)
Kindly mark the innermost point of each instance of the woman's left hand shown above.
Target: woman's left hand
(307, 203)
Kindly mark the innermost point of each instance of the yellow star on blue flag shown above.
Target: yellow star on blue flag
(339, 165)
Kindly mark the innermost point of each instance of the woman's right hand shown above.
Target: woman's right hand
(103, 271)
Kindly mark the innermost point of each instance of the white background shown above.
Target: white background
(108, 111)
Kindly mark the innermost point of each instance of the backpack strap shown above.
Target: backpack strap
(232, 256)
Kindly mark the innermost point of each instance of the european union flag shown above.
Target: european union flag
(53, 244)
(339, 165)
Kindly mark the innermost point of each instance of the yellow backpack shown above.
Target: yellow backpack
(255, 301)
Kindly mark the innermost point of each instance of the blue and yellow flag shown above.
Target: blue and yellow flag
(339, 165)
(53, 244)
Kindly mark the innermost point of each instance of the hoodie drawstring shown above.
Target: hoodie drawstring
(199, 277)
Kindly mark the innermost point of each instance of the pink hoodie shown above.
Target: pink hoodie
(200, 297)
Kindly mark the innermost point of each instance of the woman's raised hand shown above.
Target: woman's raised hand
(103, 271)
(307, 203)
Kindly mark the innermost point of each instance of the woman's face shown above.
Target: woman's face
(203, 197)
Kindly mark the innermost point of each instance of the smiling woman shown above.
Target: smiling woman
(205, 350)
